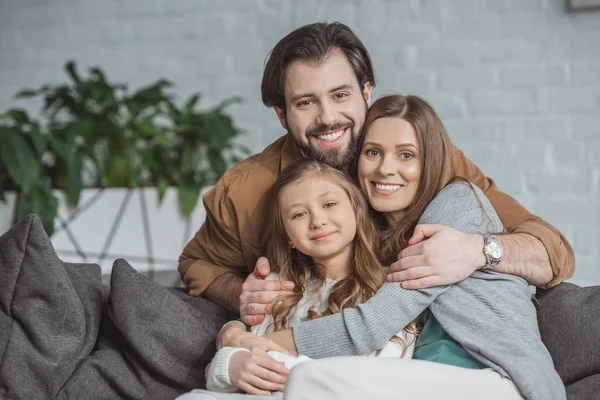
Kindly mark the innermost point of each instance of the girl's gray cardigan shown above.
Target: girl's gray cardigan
(490, 314)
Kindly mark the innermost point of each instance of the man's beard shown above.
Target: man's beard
(338, 158)
(341, 159)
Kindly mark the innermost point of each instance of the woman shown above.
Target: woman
(404, 168)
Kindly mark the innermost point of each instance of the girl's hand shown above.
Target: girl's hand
(235, 336)
(255, 372)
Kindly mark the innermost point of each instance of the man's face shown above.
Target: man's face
(325, 109)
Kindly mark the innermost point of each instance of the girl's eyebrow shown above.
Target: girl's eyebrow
(324, 194)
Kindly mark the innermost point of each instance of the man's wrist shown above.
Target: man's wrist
(479, 258)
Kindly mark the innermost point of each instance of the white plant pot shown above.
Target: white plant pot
(88, 236)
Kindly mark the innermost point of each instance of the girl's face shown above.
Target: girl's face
(389, 167)
(318, 217)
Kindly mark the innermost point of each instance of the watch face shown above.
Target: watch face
(495, 250)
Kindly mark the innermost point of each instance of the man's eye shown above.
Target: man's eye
(304, 103)
(340, 95)
(372, 153)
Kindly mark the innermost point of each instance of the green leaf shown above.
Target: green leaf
(42, 202)
(72, 71)
(188, 198)
(19, 159)
(161, 186)
(74, 184)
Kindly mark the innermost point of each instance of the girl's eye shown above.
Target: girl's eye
(299, 214)
(330, 204)
(406, 156)
(372, 153)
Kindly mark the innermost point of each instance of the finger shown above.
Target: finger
(260, 285)
(248, 388)
(252, 308)
(268, 373)
(262, 297)
(252, 320)
(410, 262)
(414, 250)
(259, 382)
(409, 274)
(422, 283)
(262, 267)
(424, 231)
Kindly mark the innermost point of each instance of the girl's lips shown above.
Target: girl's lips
(382, 192)
(332, 143)
(323, 237)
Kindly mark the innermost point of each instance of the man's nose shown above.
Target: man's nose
(327, 115)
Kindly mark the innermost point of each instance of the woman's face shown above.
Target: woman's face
(318, 217)
(389, 165)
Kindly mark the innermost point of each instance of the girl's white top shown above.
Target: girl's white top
(315, 299)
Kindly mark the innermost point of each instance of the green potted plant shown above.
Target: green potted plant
(93, 133)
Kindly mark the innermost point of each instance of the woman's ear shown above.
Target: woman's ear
(292, 245)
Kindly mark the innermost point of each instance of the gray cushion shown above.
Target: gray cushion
(61, 337)
(49, 313)
(569, 320)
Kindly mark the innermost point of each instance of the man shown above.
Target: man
(319, 80)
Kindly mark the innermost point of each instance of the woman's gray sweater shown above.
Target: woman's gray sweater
(490, 314)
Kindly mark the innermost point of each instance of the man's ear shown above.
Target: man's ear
(367, 88)
(281, 115)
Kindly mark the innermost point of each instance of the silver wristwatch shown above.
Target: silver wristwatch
(493, 251)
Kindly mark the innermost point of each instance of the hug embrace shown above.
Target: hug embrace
(381, 239)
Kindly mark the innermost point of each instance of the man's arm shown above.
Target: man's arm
(533, 249)
(521, 260)
(212, 263)
(225, 290)
(524, 256)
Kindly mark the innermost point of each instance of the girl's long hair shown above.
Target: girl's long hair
(437, 164)
(366, 274)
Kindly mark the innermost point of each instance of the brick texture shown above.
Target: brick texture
(517, 82)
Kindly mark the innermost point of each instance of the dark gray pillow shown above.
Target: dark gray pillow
(49, 313)
(155, 342)
(569, 320)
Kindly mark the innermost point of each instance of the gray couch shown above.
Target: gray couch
(64, 335)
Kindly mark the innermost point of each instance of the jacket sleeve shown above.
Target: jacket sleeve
(216, 248)
(517, 219)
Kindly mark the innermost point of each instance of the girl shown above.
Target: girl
(323, 240)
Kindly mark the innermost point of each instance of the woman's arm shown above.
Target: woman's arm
(360, 330)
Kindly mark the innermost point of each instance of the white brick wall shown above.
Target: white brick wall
(516, 81)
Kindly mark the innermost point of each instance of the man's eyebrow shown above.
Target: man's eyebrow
(335, 89)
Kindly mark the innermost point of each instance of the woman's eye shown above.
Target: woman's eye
(372, 153)
(406, 156)
(299, 214)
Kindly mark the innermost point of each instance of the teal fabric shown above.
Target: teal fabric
(435, 344)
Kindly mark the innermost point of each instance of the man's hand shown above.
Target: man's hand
(257, 293)
(437, 255)
(255, 372)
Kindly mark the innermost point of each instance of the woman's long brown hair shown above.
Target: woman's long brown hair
(437, 164)
(366, 274)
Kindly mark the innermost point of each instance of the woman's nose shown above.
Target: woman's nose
(387, 166)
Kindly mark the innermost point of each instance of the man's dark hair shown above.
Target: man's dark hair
(312, 43)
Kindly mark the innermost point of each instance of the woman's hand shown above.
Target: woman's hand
(256, 372)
